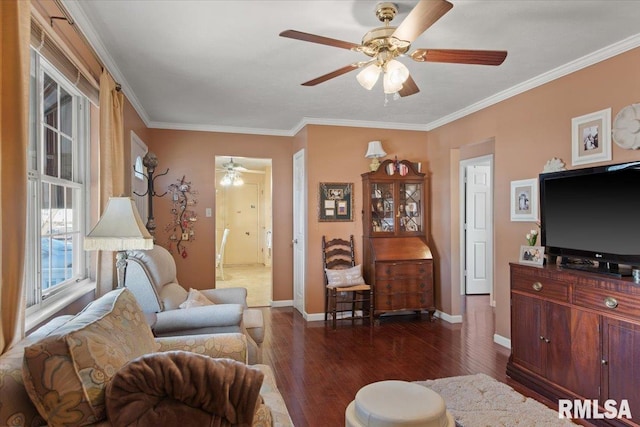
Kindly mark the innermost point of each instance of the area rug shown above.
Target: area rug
(481, 401)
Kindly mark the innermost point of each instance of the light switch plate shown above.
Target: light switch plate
(207, 212)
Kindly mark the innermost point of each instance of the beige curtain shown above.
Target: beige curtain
(112, 161)
(14, 140)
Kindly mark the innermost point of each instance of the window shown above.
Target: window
(57, 194)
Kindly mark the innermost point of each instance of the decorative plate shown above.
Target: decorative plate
(626, 127)
(391, 169)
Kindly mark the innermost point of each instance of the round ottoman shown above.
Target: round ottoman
(396, 404)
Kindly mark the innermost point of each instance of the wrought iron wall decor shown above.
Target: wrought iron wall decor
(184, 217)
(150, 161)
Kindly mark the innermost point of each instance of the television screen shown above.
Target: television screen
(592, 213)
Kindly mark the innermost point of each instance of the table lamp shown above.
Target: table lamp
(375, 151)
(119, 229)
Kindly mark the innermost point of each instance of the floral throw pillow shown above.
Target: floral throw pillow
(345, 277)
(195, 299)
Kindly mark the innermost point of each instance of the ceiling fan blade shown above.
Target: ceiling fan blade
(409, 87)
(460, 56)
(299, 35)
(331, 75)
(424, 15)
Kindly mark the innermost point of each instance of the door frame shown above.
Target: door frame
(482, 160)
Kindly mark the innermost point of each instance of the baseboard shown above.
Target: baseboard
(315, 317)
(447, 317)
(499, 339)
(282, 303)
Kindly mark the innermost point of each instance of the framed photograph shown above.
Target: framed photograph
(335, 201)
(524, 200)
(591, 138)
(533, 255)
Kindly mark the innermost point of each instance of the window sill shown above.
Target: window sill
(57, 303)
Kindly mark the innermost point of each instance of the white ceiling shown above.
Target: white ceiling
(221, 66)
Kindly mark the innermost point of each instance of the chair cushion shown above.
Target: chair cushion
(159, 265)
(254, 324)
(66, 373)
(345, 277)
(172, 295)
(195, 299)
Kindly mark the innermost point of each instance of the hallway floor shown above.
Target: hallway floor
(256, 278)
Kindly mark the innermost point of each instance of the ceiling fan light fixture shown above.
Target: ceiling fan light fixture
(396, 73)
(369, 76)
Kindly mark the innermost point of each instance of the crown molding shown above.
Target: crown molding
(571, 67)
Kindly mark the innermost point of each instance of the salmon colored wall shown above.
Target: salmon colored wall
(192, 154)
(527, 130)
(336, 154)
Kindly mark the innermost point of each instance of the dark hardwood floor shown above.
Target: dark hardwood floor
(319, 370)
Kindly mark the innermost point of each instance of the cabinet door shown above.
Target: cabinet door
(383, 208)
(572, 338)
(621, 361)
(410, 215)
(526, 337)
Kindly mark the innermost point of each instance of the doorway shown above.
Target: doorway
(243, 201)
(476, 234)
(299, 230)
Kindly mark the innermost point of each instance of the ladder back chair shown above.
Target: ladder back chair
(346, 293)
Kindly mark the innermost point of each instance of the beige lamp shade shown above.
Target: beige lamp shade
(119, 229)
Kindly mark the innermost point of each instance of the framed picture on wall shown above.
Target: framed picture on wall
(335, 201)
(591, 138)
(524, 200)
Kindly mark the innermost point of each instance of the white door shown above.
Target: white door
(478, 215)
(299, 229)
(138, 181)
(243, 219)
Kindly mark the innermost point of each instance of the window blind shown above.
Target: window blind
(44, 45)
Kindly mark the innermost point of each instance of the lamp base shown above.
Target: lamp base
(121, 267)
(375, 164)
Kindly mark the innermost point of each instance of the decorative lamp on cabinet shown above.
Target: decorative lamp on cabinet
(375, 151)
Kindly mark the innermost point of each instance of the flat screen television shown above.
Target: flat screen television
(592, 214)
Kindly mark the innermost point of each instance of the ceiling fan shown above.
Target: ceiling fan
(385, 44)
(233, 172)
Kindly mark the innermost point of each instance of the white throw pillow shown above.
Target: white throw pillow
(195, 299)
(345, 277)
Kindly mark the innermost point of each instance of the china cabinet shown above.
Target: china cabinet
(397, 260)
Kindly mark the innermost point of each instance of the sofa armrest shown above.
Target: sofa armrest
(229, 346)
(227, 295)
(208, 316)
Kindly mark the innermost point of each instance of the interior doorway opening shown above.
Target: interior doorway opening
(243, 201)
(476, 233)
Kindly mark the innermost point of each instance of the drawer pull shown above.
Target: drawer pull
(604, 362)
(611, 302)
(537, 286)
(541, 338)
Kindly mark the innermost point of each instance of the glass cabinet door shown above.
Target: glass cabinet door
(410, 207)
(382, 207)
